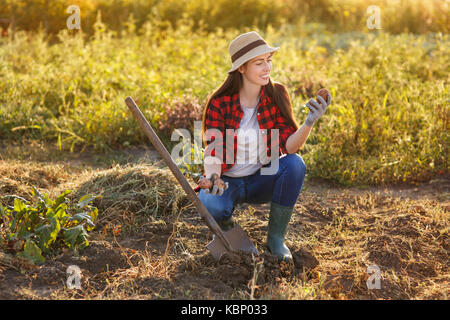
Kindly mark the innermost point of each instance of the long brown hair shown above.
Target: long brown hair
(275, 90)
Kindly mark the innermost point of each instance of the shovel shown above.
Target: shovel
(233, 240)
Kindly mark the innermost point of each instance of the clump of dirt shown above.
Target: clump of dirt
(238, 269)
(305, 260)
(98, 257)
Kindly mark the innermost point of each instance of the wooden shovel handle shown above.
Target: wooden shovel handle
(206, 216)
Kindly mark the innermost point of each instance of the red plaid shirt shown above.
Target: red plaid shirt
(225, 113)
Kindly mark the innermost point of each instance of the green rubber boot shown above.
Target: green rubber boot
(279, 218)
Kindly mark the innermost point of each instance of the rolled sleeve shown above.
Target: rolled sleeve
(214, 130)
(285, 131)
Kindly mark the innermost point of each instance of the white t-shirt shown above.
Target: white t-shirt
(249, 145)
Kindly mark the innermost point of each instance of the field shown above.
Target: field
(139, 251)
(377, 185)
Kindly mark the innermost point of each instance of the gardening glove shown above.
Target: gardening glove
(316, 109)
(214, 185)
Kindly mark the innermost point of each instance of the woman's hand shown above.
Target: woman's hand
(316, 110)
(214, 185)
(205, 183)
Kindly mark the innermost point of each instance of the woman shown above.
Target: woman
(248, 101)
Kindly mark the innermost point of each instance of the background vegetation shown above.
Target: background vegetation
(388, 121)
(417, 16)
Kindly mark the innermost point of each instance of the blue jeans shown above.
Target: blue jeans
(283, 188)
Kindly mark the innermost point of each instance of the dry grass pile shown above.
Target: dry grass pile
(17, 178)
(125, 192)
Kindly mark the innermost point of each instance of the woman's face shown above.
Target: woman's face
(257, 70)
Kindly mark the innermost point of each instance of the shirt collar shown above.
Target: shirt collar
(262, 98)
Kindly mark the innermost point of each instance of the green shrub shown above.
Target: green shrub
(388, 121)
(35, 231)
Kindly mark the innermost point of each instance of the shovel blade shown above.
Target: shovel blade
(238, 240)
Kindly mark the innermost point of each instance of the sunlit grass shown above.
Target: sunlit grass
(397, 16)
(388, 121)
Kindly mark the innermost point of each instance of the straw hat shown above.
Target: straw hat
(246, 47)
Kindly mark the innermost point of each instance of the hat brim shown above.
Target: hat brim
(252, 54)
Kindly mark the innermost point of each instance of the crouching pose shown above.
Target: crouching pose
(252, 140)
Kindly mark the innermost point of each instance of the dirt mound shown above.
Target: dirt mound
(141, 189)
(240, 270)
(129, 196)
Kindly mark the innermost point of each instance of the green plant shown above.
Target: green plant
(33, 231)
(392, 129)
(180, 114)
